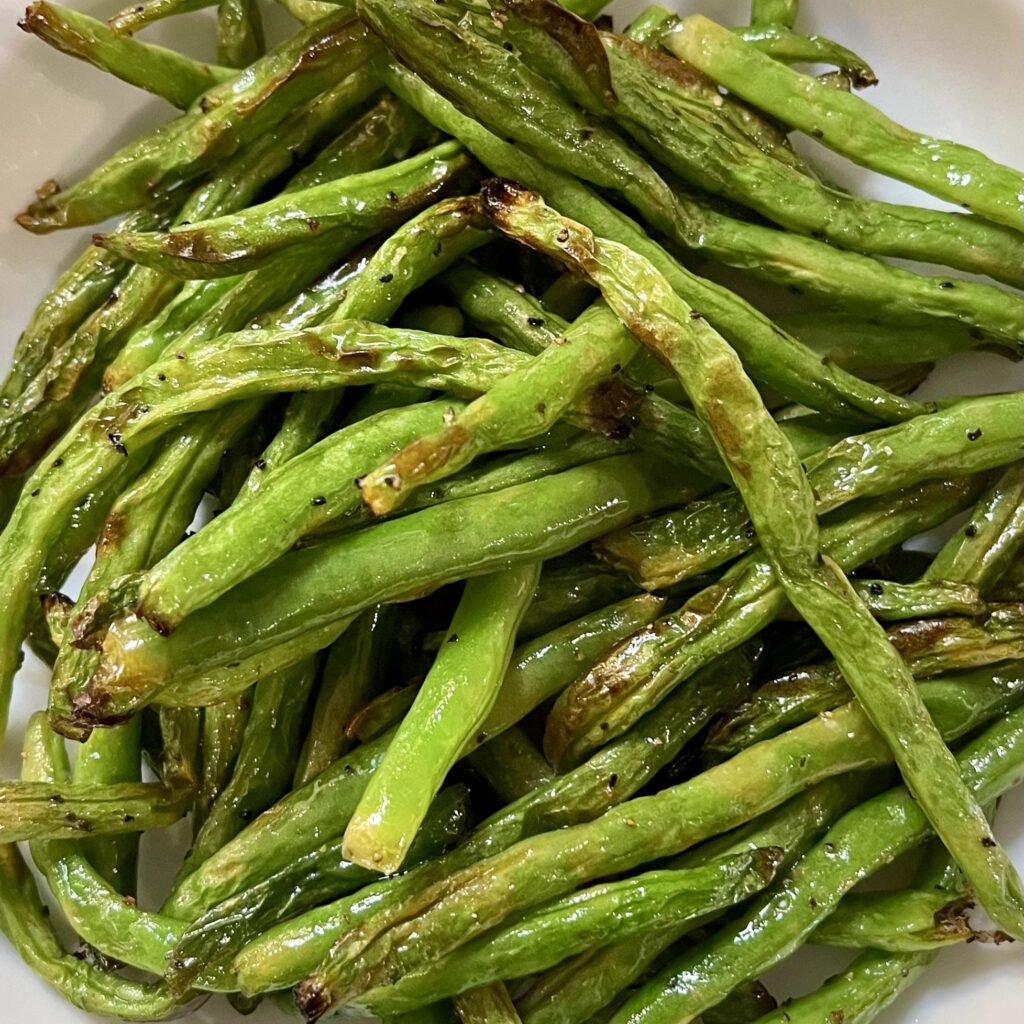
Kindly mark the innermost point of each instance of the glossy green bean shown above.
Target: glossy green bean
(131, 19)
(208, 944)
(358, 205)
(769, 475)
(747, 597)
(501, 90)
(23, 920)
(929, 648)
(290, 952)
(569, 993)
(488, 1004)
(851, 126)
(614, 911)
(484, 532)
(173, 76)
(453, 703)
(511, 764)
(349, 678)
(521, 406)
(240, 38)
(983, 550)
(382, 714)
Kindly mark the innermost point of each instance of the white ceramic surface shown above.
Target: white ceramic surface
(946, 68)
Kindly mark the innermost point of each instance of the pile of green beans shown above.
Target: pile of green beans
(528, 628)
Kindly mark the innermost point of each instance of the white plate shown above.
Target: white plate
(946, 69)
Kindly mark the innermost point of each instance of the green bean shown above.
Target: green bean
(864, 840)
(495, 86)
(788, 367)
(860, 344)
(468, 901)
(929, 648)
(208, 944)
(511, 764)
(905, 921)
(221, 121)
(244, 241)
(324, 473)
(240, 38)
(651, 93)
(99, 914)
(112, 756)
(968, 436)
(539, 669)
(39, 811)
(266, 760)
(173, 76)
(613, 911)
(139, 413)
(74, 297)
(131, 19)
(358, 205)
(859, 993)
(451, 706)
(523, 405)
(309, 11)
(567, 296)
(850, 126)
(207, 308)
(518, 320)
(569, 993)
(64, 375)
(893, 602)
(146, 521)
(349, 678)
(299, 823)
(768, 474)
(382, 714)
(23, 921)
(781, 44)
(982, 551)
(501, 309)
(488, 1004)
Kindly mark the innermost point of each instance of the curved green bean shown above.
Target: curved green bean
(851, 126)
(453, 703)
(173, 76)
(240, 242)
